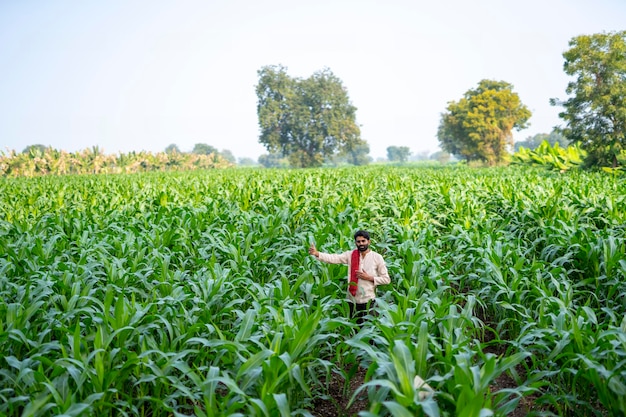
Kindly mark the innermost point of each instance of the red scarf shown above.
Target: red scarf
(354, 267)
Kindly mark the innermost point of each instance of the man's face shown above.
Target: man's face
(362, 244)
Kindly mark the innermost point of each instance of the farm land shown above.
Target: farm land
(192, 293)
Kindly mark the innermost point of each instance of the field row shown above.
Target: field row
(193, 293)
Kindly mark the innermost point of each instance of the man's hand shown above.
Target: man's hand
(313, 251)
(364, 276)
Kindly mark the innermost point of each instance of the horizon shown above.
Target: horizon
(140, 76)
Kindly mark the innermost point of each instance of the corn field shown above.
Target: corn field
(192, 293)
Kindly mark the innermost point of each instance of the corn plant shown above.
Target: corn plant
(192, 293)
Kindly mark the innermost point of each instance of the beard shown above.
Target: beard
(363, 248)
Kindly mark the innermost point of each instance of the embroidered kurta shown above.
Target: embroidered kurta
(373, 263)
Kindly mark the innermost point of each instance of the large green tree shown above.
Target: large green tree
(480, 125)
(306, 120)
(595, 114)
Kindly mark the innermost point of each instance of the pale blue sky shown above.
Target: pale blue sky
(140, 75)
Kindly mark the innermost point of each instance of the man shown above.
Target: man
(366, 270)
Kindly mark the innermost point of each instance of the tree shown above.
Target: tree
(172, 148)
(420, 156)
(306, 120)
(246, 162)
(532, 142)
(228, 155)
(203, 149)
(441, 156)
(479, 126)
(35, 149)
(595, 114)
(273, 160)
(356, 153)
(398, 153)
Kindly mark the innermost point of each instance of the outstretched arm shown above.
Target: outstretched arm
(330, 258)
(313, 251)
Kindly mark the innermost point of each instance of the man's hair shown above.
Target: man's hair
(362, 233)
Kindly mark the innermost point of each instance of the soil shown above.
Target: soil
(337, 405)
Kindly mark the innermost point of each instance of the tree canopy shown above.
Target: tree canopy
(480, 125)
(398, 153)
(306, 120)
(533, 142)
(203, 149)
(273, 160)
(595, 114)
(228, 155)
(355, 152)
(37, 149)
(172, 148)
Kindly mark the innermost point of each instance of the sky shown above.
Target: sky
(139, 75)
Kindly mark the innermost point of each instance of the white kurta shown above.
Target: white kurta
(373, 264)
